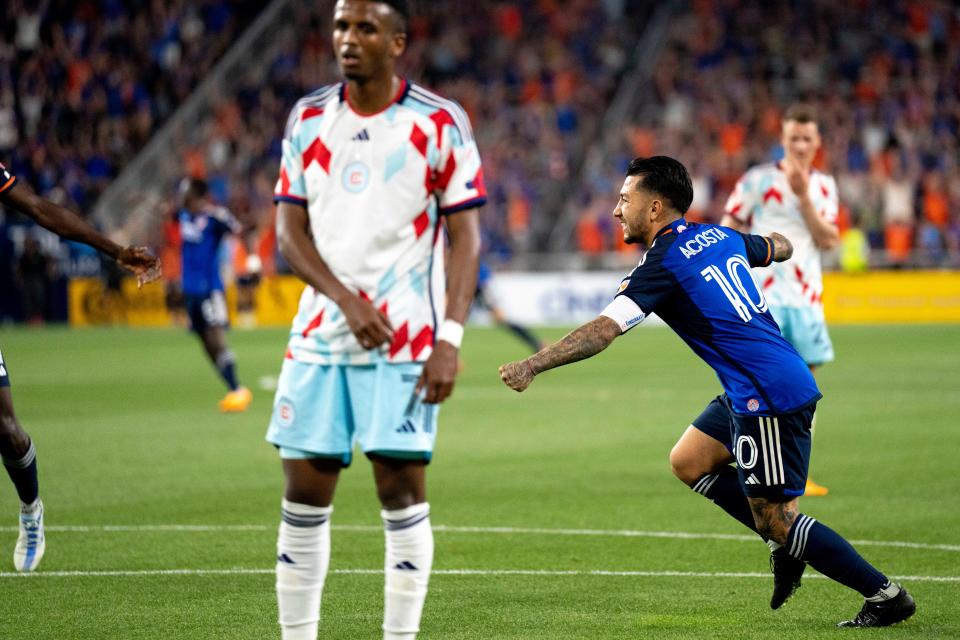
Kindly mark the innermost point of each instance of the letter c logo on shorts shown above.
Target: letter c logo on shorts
(285, 413)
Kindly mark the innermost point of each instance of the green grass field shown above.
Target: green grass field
(556, 514)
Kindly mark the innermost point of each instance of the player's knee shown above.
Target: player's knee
(12, 435)
(395, 496)
(685, 466)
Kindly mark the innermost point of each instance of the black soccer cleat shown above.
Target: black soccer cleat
(883, 614)
(786, 576)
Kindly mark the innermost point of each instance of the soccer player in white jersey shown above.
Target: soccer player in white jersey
(373, 169)
(794, 199)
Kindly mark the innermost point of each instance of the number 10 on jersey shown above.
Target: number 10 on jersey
(733, 288)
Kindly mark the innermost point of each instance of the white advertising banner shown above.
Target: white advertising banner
(555, 298)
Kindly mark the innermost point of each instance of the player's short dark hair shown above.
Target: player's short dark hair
(402, 8)
(666, 177)
(194, 188)
(801, 112)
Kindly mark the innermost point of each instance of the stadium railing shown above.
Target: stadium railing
(134, 202)
(596, 159)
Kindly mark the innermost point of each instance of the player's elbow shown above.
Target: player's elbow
(828, 240)
(733, 223)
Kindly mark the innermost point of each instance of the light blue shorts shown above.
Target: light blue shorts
(323, 411)
(806, 330)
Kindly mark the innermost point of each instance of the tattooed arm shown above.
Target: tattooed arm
(782, 248)
(580, 344)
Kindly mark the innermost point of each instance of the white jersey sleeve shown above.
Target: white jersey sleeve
(742, 202)
(459, 174)
(292, 186)
(830, 203)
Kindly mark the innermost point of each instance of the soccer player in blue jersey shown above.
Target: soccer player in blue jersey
(203, 227)
(16, 446)
(697, 278)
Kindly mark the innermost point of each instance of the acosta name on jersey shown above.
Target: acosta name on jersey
(701, 241)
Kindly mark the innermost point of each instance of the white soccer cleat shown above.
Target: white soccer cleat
(31, 542)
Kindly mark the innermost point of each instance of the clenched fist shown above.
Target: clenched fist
(517, 375)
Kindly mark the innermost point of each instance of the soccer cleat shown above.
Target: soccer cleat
(31, 543)
(814, 490)
(786, 576)
(883, 614)
(236, 401)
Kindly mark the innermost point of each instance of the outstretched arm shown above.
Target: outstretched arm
(580, 344)
(67, 224)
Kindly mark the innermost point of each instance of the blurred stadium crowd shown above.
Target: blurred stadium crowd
(884, 79)
(84, 85)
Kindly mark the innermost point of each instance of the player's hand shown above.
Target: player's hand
(371, 326)
(141, 262)
(517, 375)
(797, 177)
(254, 268)
(436, 380)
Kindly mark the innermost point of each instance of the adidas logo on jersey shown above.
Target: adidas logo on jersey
(406, 427)
(752, 479)
(362, 136)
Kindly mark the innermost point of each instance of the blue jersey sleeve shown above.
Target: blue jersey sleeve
(759, 250)
(649, 284)
(224, 222)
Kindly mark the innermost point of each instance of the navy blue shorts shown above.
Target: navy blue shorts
(206, 311)
(772, 452)
(4, 376)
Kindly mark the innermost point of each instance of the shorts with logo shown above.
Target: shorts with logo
(806, 329)
(772, 452)
(4, 376)
(206, 311)
(323, 411)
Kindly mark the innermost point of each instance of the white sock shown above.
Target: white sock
(774, 545)
(888, 592)
(303, 556)
(409, 558)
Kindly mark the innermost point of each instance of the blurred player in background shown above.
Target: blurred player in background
(16, 447)
(371, 169)
(486, 299)
(696, 278)
(203, 226)
(794, 199)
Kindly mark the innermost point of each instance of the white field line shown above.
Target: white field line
(441, 528)
(441, 572)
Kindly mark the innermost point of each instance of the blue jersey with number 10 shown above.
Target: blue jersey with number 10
(697, 278)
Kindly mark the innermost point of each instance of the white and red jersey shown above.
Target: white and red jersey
(375, 188)
(764, 201)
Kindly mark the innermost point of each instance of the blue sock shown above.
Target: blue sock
(826, 551)
(23, 472)
(724, 489)
(227, 366)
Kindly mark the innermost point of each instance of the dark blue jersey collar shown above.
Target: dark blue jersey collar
(672, 228)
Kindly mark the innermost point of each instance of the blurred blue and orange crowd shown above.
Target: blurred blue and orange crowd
(84, 85)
